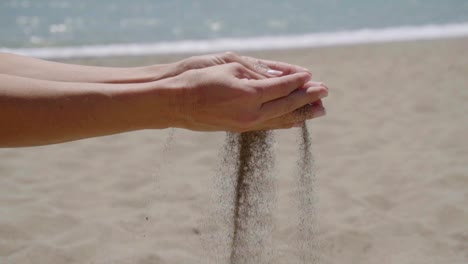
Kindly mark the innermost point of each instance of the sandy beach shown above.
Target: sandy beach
(391, 158)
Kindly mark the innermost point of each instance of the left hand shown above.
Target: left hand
(264, 68)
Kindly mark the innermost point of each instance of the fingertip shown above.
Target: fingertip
(305, 76)
(305, 71)
(323, 92)
(318, 112)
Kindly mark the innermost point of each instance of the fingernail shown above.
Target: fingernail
(275, 72)
(317, 89)
(323, 94)
(314, 84)
(319, 112)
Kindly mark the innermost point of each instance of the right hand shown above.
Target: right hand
(232, 97)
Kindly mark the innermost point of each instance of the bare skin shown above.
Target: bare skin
(16, 65)
(46, 102)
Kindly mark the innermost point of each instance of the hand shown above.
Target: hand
(232, 97)
(264, 68)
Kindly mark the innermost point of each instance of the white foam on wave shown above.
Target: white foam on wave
(256, 43)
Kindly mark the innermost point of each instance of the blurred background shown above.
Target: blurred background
(61, 23)
(391, 156)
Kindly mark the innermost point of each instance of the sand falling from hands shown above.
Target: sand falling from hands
(307, 242)
(253, 195)
(252, 218)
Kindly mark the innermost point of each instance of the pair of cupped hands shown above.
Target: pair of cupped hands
(238, 93)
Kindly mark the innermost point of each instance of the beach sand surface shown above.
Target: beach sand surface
(391, 173)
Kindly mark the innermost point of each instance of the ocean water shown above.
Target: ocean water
(57, 25)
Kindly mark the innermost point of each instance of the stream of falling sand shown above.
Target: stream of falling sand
(252, 218)
(306, 199)
(252, 214)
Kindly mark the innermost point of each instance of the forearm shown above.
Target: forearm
(36, 112)
(53, 71)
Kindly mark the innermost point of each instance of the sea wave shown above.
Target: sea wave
(324, 39)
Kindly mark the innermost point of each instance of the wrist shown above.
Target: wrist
(134, 75)
(155, 72)
(154, 105)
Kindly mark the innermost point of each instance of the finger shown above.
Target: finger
(315, 84)
(230, 57)
(293, 119)
(294, 101)
(277, 87)
(284, 68)
(298, 116)
(243, 72)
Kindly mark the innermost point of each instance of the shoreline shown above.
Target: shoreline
(252, 44)
(287, 55)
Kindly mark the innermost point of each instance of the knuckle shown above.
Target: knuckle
(184, 65)
(237, 68)
(230, 55)
(219, 59)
